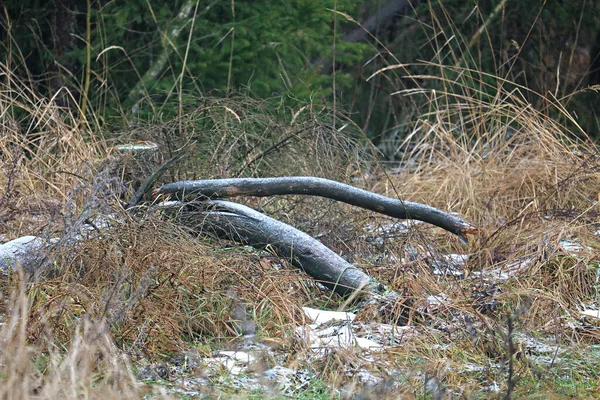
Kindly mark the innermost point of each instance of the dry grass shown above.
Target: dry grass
(143, 289)
(528, 183)
(146, 289)
(87, 366)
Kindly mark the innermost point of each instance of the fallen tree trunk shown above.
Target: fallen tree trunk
(244, 225)
(27, 252)
(261, 187)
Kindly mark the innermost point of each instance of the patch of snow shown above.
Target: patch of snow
(365, 336)
(367, 378)
(323, 316)
(279, 374)
(437, 300)
(448, 264)
(469, 367)
(240, 356)
(572, 246)
(333, 337)
(504, 273)
(367, 344)
(458, 258)
(236, 362)
(590, 313)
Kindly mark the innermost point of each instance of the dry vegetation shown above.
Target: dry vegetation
(147, 289)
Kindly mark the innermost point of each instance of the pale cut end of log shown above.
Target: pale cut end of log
(471, 230)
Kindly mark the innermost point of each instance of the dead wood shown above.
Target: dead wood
(244, 225)
(301, 185)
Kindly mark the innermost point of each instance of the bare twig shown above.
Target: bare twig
(146, 186)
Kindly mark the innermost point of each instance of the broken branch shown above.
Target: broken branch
(301, 185)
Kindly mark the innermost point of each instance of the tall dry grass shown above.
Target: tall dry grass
(147, 289)
(88, 366)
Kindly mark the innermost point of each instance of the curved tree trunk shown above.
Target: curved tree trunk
(244, 225)
(261, 187)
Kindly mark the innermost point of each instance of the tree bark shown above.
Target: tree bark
(261, 187)
(244, 225)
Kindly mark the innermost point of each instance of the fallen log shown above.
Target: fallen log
(27, 252)
(302, 185)
(244, 225)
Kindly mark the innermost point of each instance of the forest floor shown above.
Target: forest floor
(142, 308)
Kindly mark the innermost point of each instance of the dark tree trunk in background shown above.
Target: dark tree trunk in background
(382, 17)
(385, 15)
(594, 73)
(64, 28)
